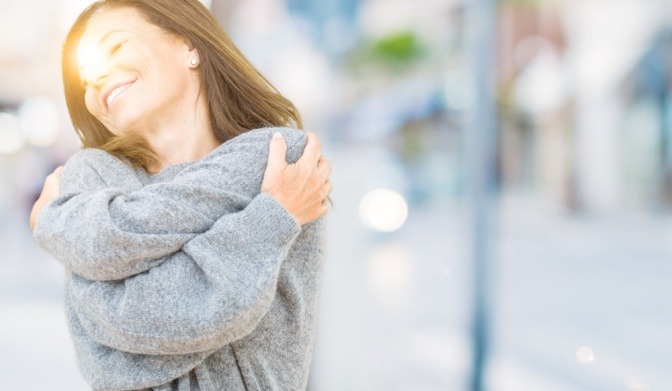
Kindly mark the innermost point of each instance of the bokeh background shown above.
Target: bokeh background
(502, 185)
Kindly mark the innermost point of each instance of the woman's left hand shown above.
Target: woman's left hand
(50, 191)
(301, 187)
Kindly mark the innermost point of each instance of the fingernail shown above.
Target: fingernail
(277, 135)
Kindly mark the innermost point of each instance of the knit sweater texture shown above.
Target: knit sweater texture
(188, 279)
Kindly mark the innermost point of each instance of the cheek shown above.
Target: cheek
(92, 103)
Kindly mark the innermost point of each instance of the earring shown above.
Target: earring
(193, 62)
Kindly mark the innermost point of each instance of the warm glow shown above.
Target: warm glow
(383, 210)
(89, 58)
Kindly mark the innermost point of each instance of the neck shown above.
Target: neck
(183, 136)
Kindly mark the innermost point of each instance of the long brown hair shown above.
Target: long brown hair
(239, 97)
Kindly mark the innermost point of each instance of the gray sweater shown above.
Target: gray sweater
(189, 279)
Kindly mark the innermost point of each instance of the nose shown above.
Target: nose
(94, 78)
(93, 66)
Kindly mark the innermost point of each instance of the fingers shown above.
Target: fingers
(57, 172)
(326, 205)
(312, 151)
(54, 176)
(327, 188)
(324, 167)
(51, 188)
(42, 200)
(277, 151)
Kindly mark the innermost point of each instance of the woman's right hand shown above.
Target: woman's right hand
(50, 190)
(301, 188)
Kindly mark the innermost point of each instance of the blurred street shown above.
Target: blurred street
(559, 111)
(394, 312)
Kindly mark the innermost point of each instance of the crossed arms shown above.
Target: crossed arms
(175, 267)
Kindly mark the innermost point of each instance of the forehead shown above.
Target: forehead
(106, 22)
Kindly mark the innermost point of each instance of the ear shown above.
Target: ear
(193, 58)
(189, 52)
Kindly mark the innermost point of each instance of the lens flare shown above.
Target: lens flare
(585, 355)
(89, 59)
(383, 210)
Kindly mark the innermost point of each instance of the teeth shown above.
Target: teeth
(116, 92)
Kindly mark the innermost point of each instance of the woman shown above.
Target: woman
(192, 263)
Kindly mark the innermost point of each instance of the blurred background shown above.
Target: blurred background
(502, 184)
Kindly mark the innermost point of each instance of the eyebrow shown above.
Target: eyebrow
(108, 34)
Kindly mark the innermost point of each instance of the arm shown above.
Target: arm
(89, 225)
(212, 293)
(109, 233)
(105, 368)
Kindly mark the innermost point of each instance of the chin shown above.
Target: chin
(122, 126)
(115, 130)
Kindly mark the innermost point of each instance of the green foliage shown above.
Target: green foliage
(399, 47)
(395, 52)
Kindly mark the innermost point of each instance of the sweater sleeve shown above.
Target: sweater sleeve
(105, 226)
(213, 292)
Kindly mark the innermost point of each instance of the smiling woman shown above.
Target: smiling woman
(126, 69)
(193, 249)
(168, 53)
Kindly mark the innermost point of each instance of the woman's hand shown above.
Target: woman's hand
(50, 191)
(303, 187)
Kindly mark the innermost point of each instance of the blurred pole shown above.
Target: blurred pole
(480, 148)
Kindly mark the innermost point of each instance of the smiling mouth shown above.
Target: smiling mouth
(116, 92)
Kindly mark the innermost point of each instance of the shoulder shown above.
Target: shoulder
(239, 163)
(80, 169)
(92, 157)
(90, 168)
(85, 156)
(254, 144)
(292, 136)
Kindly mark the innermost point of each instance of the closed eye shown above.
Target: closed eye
(115, 48)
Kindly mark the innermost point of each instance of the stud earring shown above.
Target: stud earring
(193, 62)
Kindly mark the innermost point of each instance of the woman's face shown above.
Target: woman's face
(134, 72)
